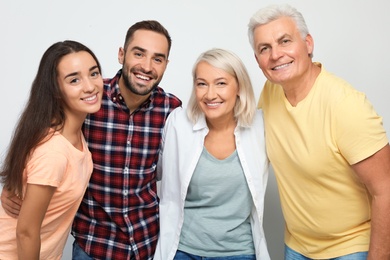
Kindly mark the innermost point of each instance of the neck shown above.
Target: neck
(223, 124)
(72, 130)
(296, 91)
(220, 140)
(132, 100)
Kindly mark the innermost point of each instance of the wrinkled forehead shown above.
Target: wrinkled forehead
(275, 29)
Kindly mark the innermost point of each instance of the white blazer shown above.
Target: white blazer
(182, 145)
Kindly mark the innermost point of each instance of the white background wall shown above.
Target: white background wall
(351, 40)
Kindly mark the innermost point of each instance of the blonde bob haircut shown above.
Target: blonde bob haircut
(245, 107)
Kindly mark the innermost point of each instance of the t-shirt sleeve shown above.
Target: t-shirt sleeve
(46, 168)
(359, 129)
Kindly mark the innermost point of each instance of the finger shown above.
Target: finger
(12, 213)
(8, 197)
(16, 201)
(11, 209)
(10, 203)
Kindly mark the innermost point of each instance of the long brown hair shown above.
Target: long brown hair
(44, 110)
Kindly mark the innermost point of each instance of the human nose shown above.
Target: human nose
(276, 53)
(89, 85)
(211, 93)
(147, 64)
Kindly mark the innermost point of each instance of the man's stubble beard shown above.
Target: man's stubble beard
(132, 88)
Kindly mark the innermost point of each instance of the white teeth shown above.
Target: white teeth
(90, 98)
(281, 66)
(213, 104)
(142, 77)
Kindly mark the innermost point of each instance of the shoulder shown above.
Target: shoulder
(178, 123)
(162, 98)
(52, 153)
(270, 94)
(335, 87)
(339, 97)
(258, 120)
(177, 116)
(258, 115)
(52, 141)
(108, 82)
(55, 146)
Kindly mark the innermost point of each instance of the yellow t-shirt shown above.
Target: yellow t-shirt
(311, 146)
(56, 163)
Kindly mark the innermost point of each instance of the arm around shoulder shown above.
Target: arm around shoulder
(10, 203)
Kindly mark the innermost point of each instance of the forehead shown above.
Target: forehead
(75, 61)
(150, 41)
(275, 29)
(206, 70)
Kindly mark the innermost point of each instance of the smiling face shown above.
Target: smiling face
(281, 52)
(81, 83)
(144, 61)
(216, 92)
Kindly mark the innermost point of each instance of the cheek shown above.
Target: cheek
(100, 84)
(233, 97)
(128, 64)
(257, 58)
(198, 95)
(292, 52)
(262, 61)
(160, 70)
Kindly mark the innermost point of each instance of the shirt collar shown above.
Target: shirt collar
(116, 96)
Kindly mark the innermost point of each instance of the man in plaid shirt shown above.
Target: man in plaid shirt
(118, 217)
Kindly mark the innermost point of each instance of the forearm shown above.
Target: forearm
(32, 213)
(29, 244)
(380, 229)
(374, 173)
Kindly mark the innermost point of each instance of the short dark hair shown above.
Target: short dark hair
(149, 25)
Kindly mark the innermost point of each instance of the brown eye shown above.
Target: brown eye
(138, 54)
(263, 49)
(95, 73)
(158, 60)
(75, 80)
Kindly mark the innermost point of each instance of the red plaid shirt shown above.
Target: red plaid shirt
(118, 217)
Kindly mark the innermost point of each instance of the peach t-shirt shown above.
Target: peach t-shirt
(59, 164)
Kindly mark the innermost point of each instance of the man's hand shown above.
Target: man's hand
(11, 203)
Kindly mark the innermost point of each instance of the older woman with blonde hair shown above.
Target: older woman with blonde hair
(213, 167)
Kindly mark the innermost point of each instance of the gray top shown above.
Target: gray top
(217, 209)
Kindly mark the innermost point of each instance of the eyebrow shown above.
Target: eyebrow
(284, 36)
(75, 73)
(217, 79)
(277, 40)
(144, 50)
